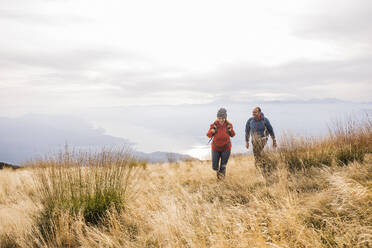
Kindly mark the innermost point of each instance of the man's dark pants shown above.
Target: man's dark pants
(262, 162)
(258, 146)
(219, 160)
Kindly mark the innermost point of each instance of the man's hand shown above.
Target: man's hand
(213, 130)
(247, 144)
(275, 145)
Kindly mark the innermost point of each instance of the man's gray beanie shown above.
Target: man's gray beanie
(222, 113)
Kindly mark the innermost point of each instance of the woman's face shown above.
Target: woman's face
(221, 120)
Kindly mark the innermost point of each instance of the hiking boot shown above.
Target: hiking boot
(220, 176)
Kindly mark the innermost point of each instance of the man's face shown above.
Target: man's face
(221, 120)
(255, 113)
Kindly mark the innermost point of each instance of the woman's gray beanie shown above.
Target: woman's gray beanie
(222, 113)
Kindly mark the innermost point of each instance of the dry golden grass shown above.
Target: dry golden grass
(347, 142)
(183, 205)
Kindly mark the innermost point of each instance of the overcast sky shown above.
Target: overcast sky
(62, 55)
(75, 56)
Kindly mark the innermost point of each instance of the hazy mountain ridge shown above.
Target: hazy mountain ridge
(6, 165)
(30, 136)
(229, 100)
(168, 128)
(26, 138)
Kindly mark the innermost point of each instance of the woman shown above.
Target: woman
(221, 131)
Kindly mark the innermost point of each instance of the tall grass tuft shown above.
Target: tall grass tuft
(268, 162)
(347, 142)
(351, 140)
(82, 185)
(305, 153)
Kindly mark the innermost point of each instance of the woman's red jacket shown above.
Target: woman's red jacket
(221, 139)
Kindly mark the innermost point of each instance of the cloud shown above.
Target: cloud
(64, 60)
(30, 18)
(296, 79)
(108, 60)
(344, 21)
(82, 87)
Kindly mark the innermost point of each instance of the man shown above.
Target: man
(220, 131)
(257, 127)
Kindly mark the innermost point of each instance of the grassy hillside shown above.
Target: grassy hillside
(316, 193)
(182, 205)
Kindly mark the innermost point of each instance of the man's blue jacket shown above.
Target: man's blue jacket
(257, 127)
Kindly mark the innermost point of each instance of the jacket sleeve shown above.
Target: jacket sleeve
(247, 129)
(269, 128)
(209, 133)
(231, 132)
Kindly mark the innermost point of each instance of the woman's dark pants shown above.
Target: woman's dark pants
(219, 160)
